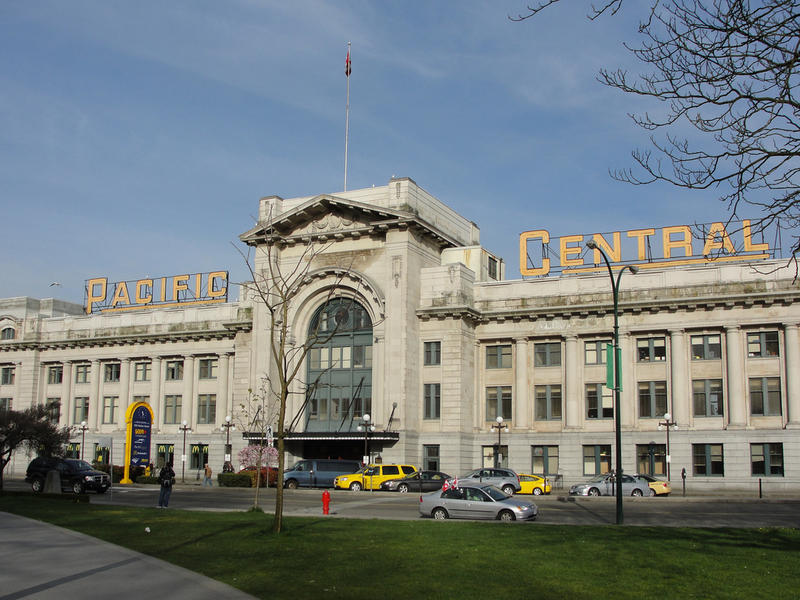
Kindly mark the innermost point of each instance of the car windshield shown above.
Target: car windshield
(80, 465)
(598, 479)
(495, 493)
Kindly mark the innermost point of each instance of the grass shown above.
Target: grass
(350, 558)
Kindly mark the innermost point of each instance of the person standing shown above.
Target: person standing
(167, 479)
(207, 476)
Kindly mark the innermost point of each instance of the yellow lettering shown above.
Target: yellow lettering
(540, 234)
(143, 286)
(641, 235)
(91, 297)
(179, 285)
(121, 294)
(614, 254)
(749, 246)
(198, 291)
(566, 251)
(670, 244)
(712, 243)
(163, 290)
(223, 288)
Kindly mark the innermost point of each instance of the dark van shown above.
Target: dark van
(317, 472)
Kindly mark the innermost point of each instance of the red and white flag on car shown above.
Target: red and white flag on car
(450, 484)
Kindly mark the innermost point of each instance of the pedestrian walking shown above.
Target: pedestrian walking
(207, 476)
(167, 479)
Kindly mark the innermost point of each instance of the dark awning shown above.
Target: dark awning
(343, 436)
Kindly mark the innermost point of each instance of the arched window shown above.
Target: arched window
(7, 333)
(339, 366)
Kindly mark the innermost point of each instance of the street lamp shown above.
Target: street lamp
(367, 429)
(227, 426)
(592, 245)
(184, 428)
(84, 428)
(667, 423)
(500, 426)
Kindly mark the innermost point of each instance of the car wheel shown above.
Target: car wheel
(402, 488)
(355, 486)
(537, 491)
(508, 489)
(439, 514)
(652, 492)
(77, 487)
(636, 492)
(507, 516)
(291, 484)
(37, 485)
(594, 492)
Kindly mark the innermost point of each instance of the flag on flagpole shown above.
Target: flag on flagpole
(347, 65)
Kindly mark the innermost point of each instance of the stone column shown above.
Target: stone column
(66, 393)
(573, 393)
(680, 398)
(187, 408)
(155, 391)
(124, 389)
(737, 399)
(520, 417)
(95, 401)
(629, 391)
(378, 392)
(792, 370)
(222, 388)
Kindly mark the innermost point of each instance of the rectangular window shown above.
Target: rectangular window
(545, 460)
(53, 407)
(433, 354)
(548, 402)
(111, 372)
(766, 459)
(7, 376)
(652, 399)
(55, 374)
(707, 460)
(174, 370)
(599, 402)
(172, 409)
(492, 268)
(81, 413)
(362, 405)
(110, 407)
(430, 457)
(5, 403)
(494, 456)
(596, 459)
(82, 373)
(707, 394)
(319, 359)
(433, 392)
(595, 352)
(362, 357)
(762, 344)
(141, 399)
(199, 456)
(651, 349)
(706, 347)
(498, 402)
(206, 409)
(765, 396)
(208, 368)
(498, 357)
(341, 357)
(141, 371)
(651, 459)
(547, 354)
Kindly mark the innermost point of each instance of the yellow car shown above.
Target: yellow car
(657, 486)
(533, 484)
(371, 477)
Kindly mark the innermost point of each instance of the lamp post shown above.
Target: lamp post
(184, 428)
(500, 426)
(367, 429)
(227, 426)
(592, 245)
(84, 429)
(667, 423)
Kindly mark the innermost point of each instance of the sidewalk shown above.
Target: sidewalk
(43, 561)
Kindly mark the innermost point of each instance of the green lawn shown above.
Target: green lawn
(332, 557)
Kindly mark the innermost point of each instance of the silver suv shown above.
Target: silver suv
(506, 479)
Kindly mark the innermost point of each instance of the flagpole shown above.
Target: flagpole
(347, 114)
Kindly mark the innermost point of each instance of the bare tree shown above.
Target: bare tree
(728, 69)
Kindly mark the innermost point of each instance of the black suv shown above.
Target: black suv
(76, 475)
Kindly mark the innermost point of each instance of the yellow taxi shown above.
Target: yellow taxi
(659, 487)
(533, 484)
(371, 477)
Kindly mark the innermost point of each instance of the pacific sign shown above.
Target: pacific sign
(177, 290)
(647, 248)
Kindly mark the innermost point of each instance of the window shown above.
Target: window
(706, 347)
(433, 392)
(199, 456)
(81, 412)
(137, 399)
(492, 268)
(7, 376)
(111, 372)
(599, 402)
(494, 456)
(707, 394)
(498, 357)
(208, 368)
(53, 407)
(174, 370)
(547, 354)
(652, 399)
(141, 371)
(341, 357)
(548, 402)
(765, 396)
(110, 407)
(362, 357)
(762, 344)
(82, 373)
(707, 459)
(651, 349)
(595, 352)
(55, 374)
(8, 333)
(430, 457)
(5, 403)
(165, 454)
(433, 353)
(651, 459)
(766, 459)
(498, 402)
(73, 450)
(545, 460)
(206, 409)
(172, 409)
(596, 459)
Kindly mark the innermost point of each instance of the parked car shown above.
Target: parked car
(476, 501)
(314, 472)
(268, 475)
(604, 485)
(421, 481)
(371, 477)
(77, 476)
(659, 487)
(506, 479)
(533, 484)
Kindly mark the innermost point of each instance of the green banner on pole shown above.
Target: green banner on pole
(610, 364)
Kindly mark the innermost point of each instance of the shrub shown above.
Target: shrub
(234, 480)
(143, 479)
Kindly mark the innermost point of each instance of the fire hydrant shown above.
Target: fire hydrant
(326, 502)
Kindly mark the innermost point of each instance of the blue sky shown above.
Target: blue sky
(137, 137)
